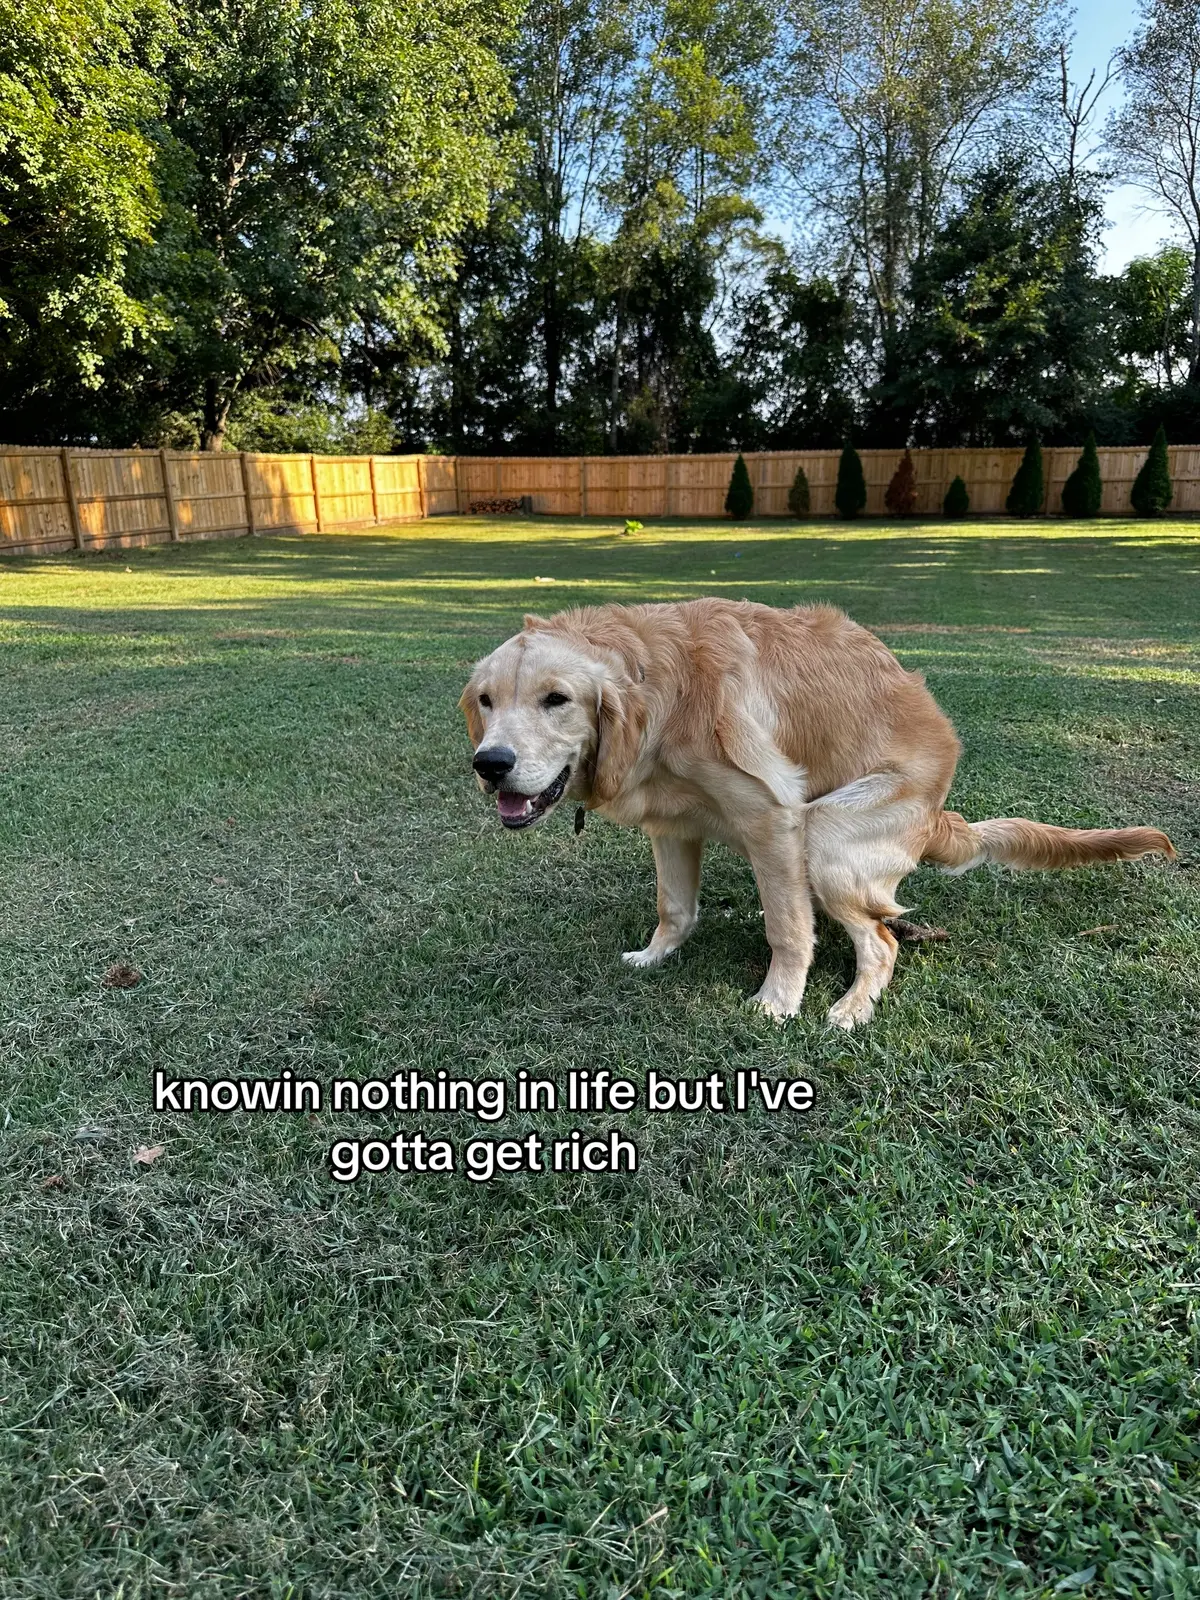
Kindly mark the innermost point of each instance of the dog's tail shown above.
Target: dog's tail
(957, 845)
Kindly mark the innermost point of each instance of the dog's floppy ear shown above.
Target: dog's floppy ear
(621, 719)
(468, 704)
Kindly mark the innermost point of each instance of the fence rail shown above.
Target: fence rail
(52, 499)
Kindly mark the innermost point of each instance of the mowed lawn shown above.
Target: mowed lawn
(939, 1336)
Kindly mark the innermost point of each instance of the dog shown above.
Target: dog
(795, 737)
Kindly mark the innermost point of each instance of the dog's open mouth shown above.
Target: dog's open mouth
(520, 810)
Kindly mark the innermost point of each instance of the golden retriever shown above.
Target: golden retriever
(795, 737)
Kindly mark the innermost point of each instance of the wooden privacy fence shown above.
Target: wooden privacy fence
(54, 499)
(94, 499)
(695, 486)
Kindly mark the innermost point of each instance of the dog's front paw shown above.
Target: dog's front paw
(651, 956)
(851, 1011)
(780, 996)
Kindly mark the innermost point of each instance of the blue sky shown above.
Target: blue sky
(1135, 228)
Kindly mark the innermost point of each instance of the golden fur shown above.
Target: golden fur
(795, 737)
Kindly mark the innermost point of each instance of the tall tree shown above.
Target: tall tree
(797, 345)
(319, 159)
(1008, 335)
(1072, 154)
(894, 101)
(683, 215)
(1157, 132)
(76, 193)
(1153, 304)
(571, 69)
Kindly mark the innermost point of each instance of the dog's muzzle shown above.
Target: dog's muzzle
(522, 810)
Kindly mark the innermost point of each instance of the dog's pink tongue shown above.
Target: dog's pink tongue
(513, 806)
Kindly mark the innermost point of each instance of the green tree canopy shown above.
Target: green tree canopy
(318, 161)
(76, 192)
(1009, 328)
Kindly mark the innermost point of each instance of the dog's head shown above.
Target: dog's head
(550, 720)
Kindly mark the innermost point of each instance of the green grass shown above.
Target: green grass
(937, 1337)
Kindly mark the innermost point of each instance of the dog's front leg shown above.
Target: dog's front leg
(776, 852)
(678, 864)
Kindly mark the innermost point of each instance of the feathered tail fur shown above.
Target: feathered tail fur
(957, 845)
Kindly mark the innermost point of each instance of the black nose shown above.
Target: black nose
(494, 762)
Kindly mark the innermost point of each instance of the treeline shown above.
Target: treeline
(589, 226)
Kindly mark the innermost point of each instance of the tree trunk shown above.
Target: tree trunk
(458, 428)
(553, 347)
(216, 415)
(615, 396)
(552, 341)
(1194, 369)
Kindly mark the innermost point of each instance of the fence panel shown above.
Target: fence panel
(627, 486)
(34, 514)
(398, 488)
(344, 485)
(1185, 477)
(209, 495)
(120, 496)
(281, 493)
(438, 480)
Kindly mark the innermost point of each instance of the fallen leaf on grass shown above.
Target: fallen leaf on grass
(915, 932)
(1103, 927)
(121, 976)
(148, 1153)
(1076, 1580)
(54, 1181)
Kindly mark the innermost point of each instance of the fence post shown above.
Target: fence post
(72, 503)
(374, 493)
(169, 497)
(312, 462)
(250, 528)
(422, 488)
(583, 510)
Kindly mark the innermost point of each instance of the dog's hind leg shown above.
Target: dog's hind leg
(678, 864)
(875, 950)
(858, 854)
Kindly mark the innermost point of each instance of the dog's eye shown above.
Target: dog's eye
(485, 700)
(555, 699)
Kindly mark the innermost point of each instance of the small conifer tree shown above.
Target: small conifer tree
(901, 496)
(1083, 490)
(1152, 490)
(851, 494)
(799, 499)
(739, 502)
(957, 502)
(1029, 485)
